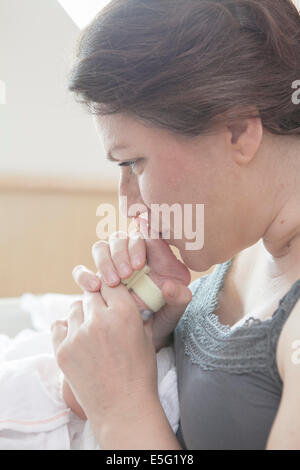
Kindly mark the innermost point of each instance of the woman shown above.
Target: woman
(204, 96)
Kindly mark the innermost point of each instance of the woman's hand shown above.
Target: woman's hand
(130, 250)
(107, 356)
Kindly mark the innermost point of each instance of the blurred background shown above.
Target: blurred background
(53, 173)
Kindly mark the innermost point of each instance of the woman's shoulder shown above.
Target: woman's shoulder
(288, 347)
(288, 364)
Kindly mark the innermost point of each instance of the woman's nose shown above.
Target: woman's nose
(130, 200)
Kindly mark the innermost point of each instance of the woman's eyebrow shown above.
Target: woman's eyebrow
(113, 149)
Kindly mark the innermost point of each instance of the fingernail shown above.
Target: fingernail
(125, 269)
(93, 284)
(144, 228)
(136, 261)
(112, 277)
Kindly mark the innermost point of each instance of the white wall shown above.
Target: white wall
(42, 130)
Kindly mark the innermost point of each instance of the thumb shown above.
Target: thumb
(176, 295)
(148, 327)
(59, 330)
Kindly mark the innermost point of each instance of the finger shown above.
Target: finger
(75, 317)
(137, 250)
(59, 331)
(148, 327)
(118, 297)
(118, 242)
(86, 279)
(176, 294)
(94, 303)
(103, 261)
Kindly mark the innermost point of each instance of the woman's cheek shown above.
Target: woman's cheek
(158, 185)
(147, 189)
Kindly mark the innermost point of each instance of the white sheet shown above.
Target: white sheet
(33, 414)
(12, 318)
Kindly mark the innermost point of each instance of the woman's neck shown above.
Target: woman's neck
(281, 239)
(270, 267)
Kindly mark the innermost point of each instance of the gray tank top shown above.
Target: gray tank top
(228, 382)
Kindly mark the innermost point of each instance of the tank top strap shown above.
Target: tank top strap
(280, 316)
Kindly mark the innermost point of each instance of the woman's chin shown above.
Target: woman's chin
(192, 259)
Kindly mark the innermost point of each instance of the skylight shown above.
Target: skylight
(82, 11)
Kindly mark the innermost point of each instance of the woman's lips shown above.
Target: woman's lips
(146, 229)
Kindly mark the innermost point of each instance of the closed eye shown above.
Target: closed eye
(129, 163)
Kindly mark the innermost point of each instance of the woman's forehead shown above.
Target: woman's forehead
(121, 131)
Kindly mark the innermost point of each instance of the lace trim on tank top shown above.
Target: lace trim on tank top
(247, 348)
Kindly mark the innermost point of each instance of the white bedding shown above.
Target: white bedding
(13, 318)
(33, 414)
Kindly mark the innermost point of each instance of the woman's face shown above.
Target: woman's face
(183, 170)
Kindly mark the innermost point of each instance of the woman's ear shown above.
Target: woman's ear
(245, 138)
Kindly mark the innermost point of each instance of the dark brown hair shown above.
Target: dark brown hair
(182, 65)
